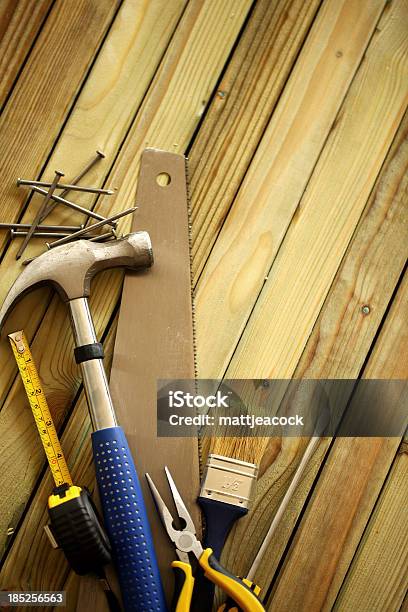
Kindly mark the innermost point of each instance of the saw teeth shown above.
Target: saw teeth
(190, 240)
(191, 264)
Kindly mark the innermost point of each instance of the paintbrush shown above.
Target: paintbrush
(234, 457)
(231, 470)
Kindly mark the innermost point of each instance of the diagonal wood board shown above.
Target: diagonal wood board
(155, 340)
(284, 108)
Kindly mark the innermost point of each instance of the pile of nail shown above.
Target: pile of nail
(64, 233)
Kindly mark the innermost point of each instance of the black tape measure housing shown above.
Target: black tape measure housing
(78, 532)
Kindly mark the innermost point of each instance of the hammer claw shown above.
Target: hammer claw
(71, 267)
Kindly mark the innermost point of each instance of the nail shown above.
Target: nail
(45, 228)
(27, 261)
(99, 155)
(25, 182)
(92, 238)
(105, 236)
(17, 234)
(84, 211)
(92, 227)
(48, 195)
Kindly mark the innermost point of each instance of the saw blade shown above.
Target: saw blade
(155, 338)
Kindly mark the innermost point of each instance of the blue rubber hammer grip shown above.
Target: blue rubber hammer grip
(126, 522)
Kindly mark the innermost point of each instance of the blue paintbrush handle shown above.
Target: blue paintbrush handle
(219, 519)
(126, 522)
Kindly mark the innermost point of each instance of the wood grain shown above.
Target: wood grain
(378, 578)
(44, 93)
(160, 121)
(20, 23)
(367, 277)
(107, 104)
(256, 225)
(31, 563)
(345, 494)
(337, 348)
(108, 114)
(328, 213)
(239, 113)
(100, 119)
(72, 586)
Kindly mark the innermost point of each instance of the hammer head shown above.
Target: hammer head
(71, 267)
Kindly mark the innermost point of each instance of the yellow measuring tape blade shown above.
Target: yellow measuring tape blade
(40, 409)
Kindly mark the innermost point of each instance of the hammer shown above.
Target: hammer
(70, 269)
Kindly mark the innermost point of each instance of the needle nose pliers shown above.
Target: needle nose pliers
(186, 542)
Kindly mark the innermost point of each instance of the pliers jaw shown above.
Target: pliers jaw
(185, 540)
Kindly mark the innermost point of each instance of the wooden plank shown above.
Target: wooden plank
(346, 492)
(355, 482)
(368, 275)
(20, 23)
(96, 104)
(274, 184)
(239, 113)
(101, 117)
(22, 454)
(50, 80)
(72, 587)
(107, 104)
(31, 563)
(162, 121)
(316, 241)
(378, 577)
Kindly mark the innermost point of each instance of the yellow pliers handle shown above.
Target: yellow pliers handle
(184, 585)
(234, 587)
(230, 605)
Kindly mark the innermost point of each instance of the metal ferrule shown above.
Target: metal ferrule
(229, 480)
(93, 372)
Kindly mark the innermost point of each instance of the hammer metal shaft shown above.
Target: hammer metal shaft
(93, 372)
(116, 476)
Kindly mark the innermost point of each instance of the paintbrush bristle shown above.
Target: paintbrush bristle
(247, 398)
(249, 449)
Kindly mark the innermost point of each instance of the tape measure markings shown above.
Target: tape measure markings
(39, 406)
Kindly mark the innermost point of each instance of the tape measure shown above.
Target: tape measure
(40, 409)
(74, 523)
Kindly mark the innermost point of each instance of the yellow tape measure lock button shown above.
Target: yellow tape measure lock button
(75, 524)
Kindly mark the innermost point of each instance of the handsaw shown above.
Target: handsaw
(155, 338)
